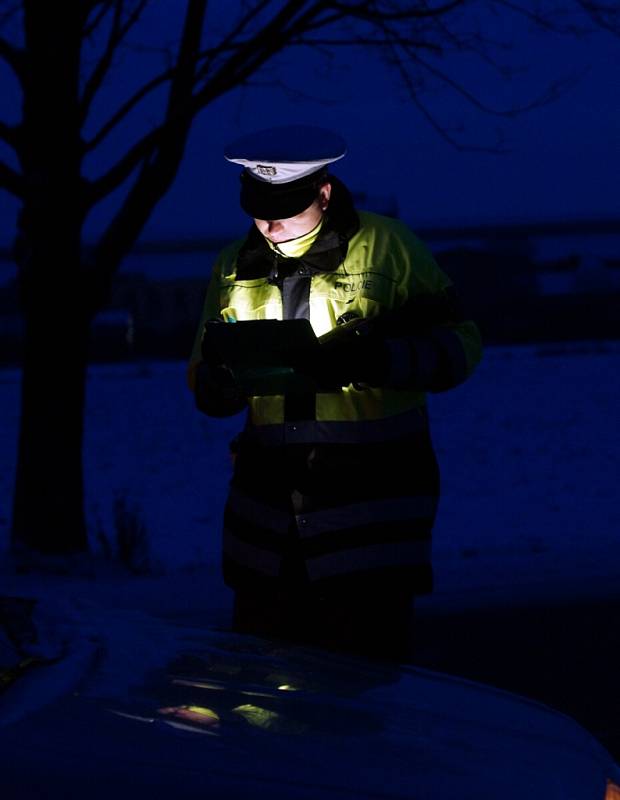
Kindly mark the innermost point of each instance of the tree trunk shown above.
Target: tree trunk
(48, 512)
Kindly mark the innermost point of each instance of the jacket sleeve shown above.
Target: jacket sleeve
(431, 344)
(215, 390)
(210, 310)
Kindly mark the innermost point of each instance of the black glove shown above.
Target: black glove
(217, 392)
(355, 357)
(209, 352)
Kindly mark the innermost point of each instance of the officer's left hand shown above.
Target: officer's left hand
(216, 392)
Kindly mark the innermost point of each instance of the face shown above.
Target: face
(283, 230)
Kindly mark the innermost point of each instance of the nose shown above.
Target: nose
(274, 225)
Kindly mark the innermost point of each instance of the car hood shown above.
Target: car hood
(139, 706)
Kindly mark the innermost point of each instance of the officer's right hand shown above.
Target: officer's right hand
(354, 358)
(216, 391)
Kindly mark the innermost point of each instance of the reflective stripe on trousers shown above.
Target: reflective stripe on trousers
(376, 556)
(254, 512)
(355, 515)
(388, 554)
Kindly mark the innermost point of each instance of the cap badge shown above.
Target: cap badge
(263, 170)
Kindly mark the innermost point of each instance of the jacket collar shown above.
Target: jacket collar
(257, 260)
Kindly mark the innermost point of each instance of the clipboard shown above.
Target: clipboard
(261, 353)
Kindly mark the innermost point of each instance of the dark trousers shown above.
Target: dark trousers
(377, 626)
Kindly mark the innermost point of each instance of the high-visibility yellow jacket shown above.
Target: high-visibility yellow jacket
(345, 482)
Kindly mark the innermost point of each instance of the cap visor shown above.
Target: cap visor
(275, 201)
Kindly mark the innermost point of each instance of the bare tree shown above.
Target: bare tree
(60, 56)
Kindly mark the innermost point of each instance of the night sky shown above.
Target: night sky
(560, 161)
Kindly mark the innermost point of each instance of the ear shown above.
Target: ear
(324, 194)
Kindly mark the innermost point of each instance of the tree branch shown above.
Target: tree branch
(7, 13)
(159, 169)
(366, 11)
(11, 181)
(114, 177)
(9, 134)
(229, 43)
(549, 22)
(605, 15)
(14, 57)
(91, 27)
(367, 42)
(253, 53)
(206, 56)
(551, 93)
(126, 109)
(118, 32)
(440, 129)
(245, 20)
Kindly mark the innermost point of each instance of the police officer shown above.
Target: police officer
(328, 522)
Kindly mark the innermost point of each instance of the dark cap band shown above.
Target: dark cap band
(264, 200)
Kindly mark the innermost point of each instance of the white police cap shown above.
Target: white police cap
(284, 168)
(286, 153)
